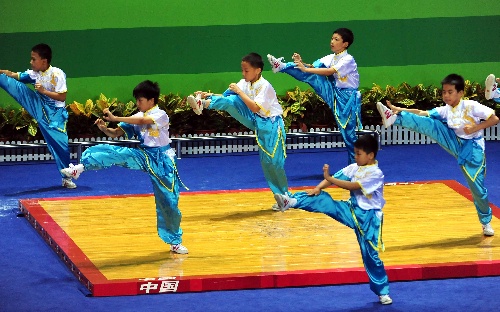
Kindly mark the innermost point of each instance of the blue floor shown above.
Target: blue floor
(32, 278)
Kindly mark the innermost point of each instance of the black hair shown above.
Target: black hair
(346, 34)
(44, 51)
(148, 90)
(367, 143)
(254, 59)
(454, 80)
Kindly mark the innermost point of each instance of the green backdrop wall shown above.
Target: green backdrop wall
(109, 46)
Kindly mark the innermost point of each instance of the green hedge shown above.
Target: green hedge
(302, 107)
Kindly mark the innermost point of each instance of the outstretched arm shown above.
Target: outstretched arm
(322, 185)
(135, 120)
(9, 73)
(415, 111)
(313, 70)
(204, 94)
(298, 59)
(245, 98)
(308, 68)
(346, 185)
(110, 132)
(329, 180)
(38, 87)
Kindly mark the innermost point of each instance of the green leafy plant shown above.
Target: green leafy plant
(3, 120)
(294, 104)
(24, 127)
(418, 96)
(172, 103)
(178, 111)
(124, 109)
(318, 113)
(299, 106)
(89, 108)
(81, 120)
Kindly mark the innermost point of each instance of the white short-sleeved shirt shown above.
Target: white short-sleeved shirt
(156, 134)
(53, 79)
(467, 112)
(371, 180)
(347, 75)
(263, 93)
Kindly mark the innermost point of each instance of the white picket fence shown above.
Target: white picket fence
(223, 143)
(398, 135)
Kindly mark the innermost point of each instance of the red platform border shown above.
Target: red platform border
(90, 276)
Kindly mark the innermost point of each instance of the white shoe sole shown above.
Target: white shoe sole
(381, 110)
(272, 60)
(70, 174)
(66, 174)
(194, 104)
(386, 301)
(488, 233)
(280, 200)
(179, 251)
(69, 185)
(489, 83)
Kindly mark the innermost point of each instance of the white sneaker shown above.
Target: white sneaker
(388, 117)
(275, 207)
(67, 183)
(490, 87)
(385, 299)
(488, 230)
(276, 63)
(196, 103)
(179, 248)
(284, 201)
(73, 171)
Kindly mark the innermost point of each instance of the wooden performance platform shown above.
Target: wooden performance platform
(236, 241)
